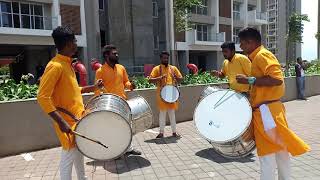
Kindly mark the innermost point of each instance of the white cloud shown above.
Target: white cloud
(309, 47)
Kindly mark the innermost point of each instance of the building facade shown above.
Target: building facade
(279, 12)
(215, 22)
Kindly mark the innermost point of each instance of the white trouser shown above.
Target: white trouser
(162, 120)
(268, 165)
(68, 159)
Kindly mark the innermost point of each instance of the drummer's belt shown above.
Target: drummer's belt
(265, 102)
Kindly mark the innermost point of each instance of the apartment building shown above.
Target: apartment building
(215, 22)
(137, 28)
(279, 12)
(26, 27)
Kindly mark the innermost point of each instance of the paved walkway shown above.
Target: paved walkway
(190, 157)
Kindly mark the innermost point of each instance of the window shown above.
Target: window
(155, 9)
(202, 32)
(251, 7)
(202, 10)
(236, 39)
(101, 4)
(21, 15)
(236, 11)
(156, 42)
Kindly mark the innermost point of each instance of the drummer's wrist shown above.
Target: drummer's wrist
(251, 80)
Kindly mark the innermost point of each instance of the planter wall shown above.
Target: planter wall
(24, 127)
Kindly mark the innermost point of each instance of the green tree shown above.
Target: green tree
(295, 32)
(181, 13)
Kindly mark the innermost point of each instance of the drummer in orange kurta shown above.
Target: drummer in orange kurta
(161, 75)
(115, 79)
(58, 90)
(274, 139)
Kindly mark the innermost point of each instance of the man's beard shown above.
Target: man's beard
(114, 60)
(165, 64)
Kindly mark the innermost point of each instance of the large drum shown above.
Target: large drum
(142, 117)
(112, 121)
(170, 93)
(224, 119)
(108, 120)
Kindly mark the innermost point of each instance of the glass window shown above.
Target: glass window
(25, 21)
(16, 21)
(15, 7)
(154, 9)
(38, 10)
(25, 9)
(101, 4)
(5, 7)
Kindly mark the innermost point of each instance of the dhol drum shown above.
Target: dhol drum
(107, 119)
(224, 119)
(170, 93)
(142, 117)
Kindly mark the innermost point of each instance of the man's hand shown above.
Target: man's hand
(133, 86)
(99, 84)
(215, 73)
(242, 79)
(64, 127)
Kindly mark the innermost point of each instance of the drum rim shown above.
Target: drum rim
(245, 129)
(177, 90)
(96, 96)
(103, 159)
(209, 93)
(138, 96)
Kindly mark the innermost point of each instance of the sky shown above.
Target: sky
(309, 46)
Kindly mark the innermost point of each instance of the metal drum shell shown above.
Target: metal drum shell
(111, 103)
(173, 87)
(142, 117)
(238, 147)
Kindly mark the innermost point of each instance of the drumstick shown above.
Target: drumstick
(221, 99)
(85, 137)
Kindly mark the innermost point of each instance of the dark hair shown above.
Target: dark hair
(228, 45)
(164, 53)
(299, 58)
(61, 36)
(250, 33)
(107, 49)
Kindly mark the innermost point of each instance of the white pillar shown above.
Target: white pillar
(83, 19)
(170, 31)
(245, 8)
(55, 12)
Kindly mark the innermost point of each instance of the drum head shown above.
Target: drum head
(107, 127)
(227, 120)
(170, 94)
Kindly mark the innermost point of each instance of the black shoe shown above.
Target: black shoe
(176, 135)
(160, 135)
(134, 152)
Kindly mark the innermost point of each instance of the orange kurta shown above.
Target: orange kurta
(169, 80)
(59, 88)
(239, 64)
(115, 80)
(264, 63)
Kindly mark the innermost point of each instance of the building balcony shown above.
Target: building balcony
(202, 41)
(257, 18)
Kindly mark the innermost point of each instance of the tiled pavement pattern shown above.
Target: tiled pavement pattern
(190, 157)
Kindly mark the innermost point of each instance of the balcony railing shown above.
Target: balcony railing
(261, 15)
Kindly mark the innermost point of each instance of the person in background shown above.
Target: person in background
(300, 68)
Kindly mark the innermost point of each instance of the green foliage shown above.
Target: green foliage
(296, 27)
(142, 82)
(181, 10)
(317, 36)
(10, 90)
(202, 78)
(4, 70)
